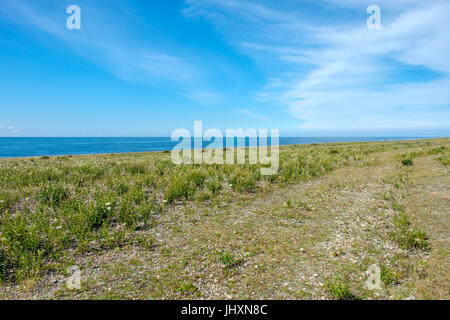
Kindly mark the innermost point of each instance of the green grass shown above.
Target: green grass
(409, 239)
(187, 288)
(339, 289)
(444, 155)
(52, 196)
(229, 261)
(388, 276)
(443, 152)
(407, 162)
(50, 206)
(406, 236)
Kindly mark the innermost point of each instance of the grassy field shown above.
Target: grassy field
(140, 227)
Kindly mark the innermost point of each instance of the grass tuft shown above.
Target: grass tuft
(339, 289)
(52, 196)
(407, 237)
(187, 288)
(388, 276)
(229, 261)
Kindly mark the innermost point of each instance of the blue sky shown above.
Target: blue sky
(146, 68)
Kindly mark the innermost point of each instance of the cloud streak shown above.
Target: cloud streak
(253, 115)
(344, 76)
(114, 48)
(101, 41)
(8, 130)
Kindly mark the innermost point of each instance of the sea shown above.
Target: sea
(35, 147)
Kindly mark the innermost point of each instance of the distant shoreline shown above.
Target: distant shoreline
(48, 148)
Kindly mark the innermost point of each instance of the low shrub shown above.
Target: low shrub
(244, 181)
(52, 196)
(135, 168)
(407, 162)
(24, 246)
(214, 187)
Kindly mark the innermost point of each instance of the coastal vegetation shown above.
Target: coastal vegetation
(145, 227)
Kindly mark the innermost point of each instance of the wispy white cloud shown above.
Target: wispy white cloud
(252, 114)
(341, 76)
(399, 5)
(107, 40)
(100, 40)
(203, 97)
(8, 130)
